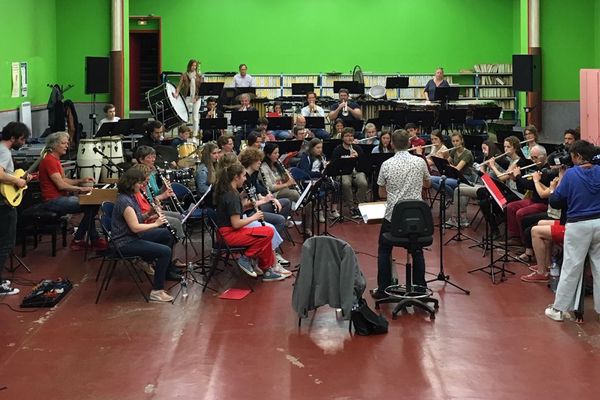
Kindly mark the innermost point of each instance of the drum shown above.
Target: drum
(165, 107)
(112, 147)
(183, 175)
(186, 150)
(89, 163)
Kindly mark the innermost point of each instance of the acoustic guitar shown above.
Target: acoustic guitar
(14, 195)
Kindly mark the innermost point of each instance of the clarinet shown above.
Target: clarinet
(158, 211)
(251, 192)
(174, 200)
(286, 174)
(265, 182)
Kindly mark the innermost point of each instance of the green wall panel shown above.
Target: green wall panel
(28, 32)
(297, 36)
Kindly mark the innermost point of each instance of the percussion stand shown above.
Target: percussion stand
(441, 276)
(13, 268)
(93, 115)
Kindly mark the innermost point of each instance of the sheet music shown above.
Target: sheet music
(303, 195)
(372, 213)
(194, 206)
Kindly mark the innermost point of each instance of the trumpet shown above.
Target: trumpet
(345, 110)
(525, 167)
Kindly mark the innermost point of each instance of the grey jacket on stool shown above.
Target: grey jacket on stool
(329, 274)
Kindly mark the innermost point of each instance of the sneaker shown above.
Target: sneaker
(334, 214)
(464, 222)
(100, 244)
(281, 260)
(77, 245)
(533, 268)
(555, 314)
(355, 213)
(377, 295)
(271, 276)
(282, 271)
(246, 266)
(535, 277)
(451, 221)
(7, 290)
(5, 282)
(160, 296)
(321, 217)
(258, 271)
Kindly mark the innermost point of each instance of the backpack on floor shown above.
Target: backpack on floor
(366, 321)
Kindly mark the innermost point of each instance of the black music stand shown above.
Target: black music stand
(501, 136)
(451, 117)
(133, 126)
(106, 129)
(213, 123)
(441, 276)
(396, 82)
(280, 123)
(352, 86)
(473, 142)
(393, 118)
(329, 145)
(336, 169)
(211, 88)
(496, 192)
(446, 93)
(242, 90)
(300, 89)
(289, 146)
(357, 124)
(315, 122)
(376, 159)
(486, 113)
(378, 122)
(420, 118)
(246, 119)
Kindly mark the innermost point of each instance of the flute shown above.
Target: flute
(524, 176)
(174, 200)
(494, 158)
(251, 192)
(158, 211)
(423, 147)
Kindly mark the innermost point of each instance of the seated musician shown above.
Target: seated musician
(459, 158)
(370, 135)
(55, 188)
(276, 210)
(255, 140)
(225, 143)
(338, 126)
(301, 124)
(261, 127)
(243, 131)
(311, 166)
(152, 242)
(278, 112)
(110, 115)
(530, 133)
(313, 110)
(438, 146)
(206, 170)
(570, 136)
(158, 192)
(413, 131)
(437, 81)
(345, 109)
(153, 135)
(277, 180)
(517, 210)
(357, 179)
(293, 158)
(235, 230)
(184, 132)
(212, 111)
(385, 143)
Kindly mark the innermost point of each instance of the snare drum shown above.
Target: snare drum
(89, 163)
(186, 149)
(183, 175)
(112, 147)
(165, 107)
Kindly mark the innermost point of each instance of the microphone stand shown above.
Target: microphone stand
(109, 163)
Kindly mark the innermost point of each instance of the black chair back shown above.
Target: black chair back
(412, 218)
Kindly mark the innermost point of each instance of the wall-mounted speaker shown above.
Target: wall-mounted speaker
(97, 75)
(527, 72)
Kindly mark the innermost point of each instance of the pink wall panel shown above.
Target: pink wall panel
(589, 80)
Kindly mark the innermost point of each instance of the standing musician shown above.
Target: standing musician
(55, 189)
(189, 86)
(14, 135)
(132, 237)
(356, 179)
(437, 81)
(243, 79)
(313, 110)
(235, 229)
(402, 177)
(212, 111)
(147, 156)
(277, 180)
(345, 109)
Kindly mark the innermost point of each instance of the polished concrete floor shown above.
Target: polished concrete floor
(495, 343)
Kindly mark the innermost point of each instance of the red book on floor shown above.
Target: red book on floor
(234, 294)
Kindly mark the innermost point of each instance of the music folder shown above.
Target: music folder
(315, 122)
(244, 117)
(445, 93)
(106, 129)
(280, 123)
(289, 146)
(302, 88)
(130, 126)
(396, 82)
(213, 123)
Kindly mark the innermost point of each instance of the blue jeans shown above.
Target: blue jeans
(150, 246)
(451, 184)
(321, 133)
(384, 262)
(8, 216)
(282, 135)
(70, 205)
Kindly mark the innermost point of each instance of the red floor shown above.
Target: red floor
(494, 344)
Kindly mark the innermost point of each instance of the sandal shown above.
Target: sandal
(528, 258)
(178, 263)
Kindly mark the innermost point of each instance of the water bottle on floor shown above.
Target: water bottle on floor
(554, 275)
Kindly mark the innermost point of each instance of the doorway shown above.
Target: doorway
(144, 66)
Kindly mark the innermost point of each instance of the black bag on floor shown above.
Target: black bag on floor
(366, 321)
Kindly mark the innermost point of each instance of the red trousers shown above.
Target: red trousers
(256, 240)
(516, 210)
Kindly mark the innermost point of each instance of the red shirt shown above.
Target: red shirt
(49, 166)
(416, 141)
(144, 205)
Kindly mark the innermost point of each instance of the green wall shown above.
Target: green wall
(28, 32)
(296, 36)
(567, 35)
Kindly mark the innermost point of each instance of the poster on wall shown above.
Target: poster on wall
(24, 79)
(16, 81)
